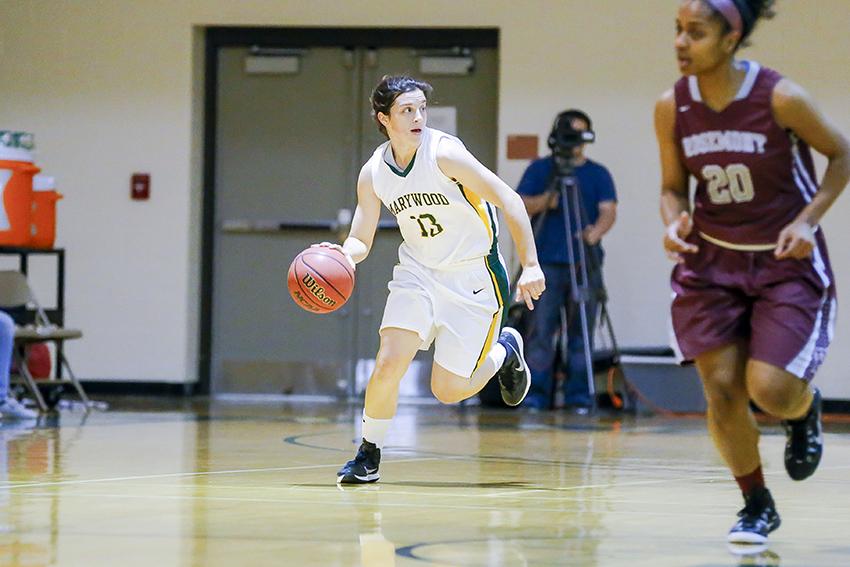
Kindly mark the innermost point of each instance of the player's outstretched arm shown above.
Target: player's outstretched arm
(364, 223)
(795, 110)
(675, 208)
(455, 161)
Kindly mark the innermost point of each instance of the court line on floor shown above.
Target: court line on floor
(296, 439)
(527, 493)
(186, 474)
(639, 463)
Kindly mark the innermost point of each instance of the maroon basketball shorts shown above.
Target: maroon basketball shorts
(784, 310)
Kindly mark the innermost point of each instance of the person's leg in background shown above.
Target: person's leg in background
(10, 408)
(576, 389)
(544, 321)
(7, 342)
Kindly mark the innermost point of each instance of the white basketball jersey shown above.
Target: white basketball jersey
(442, 222)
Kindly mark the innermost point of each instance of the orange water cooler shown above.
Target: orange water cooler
(44, 197)
(16, 183)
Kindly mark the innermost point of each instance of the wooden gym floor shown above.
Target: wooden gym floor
(199, 483)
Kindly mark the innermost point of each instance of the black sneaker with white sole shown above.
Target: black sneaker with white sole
(514, 376)
(363, 468)
(804, 442)
(757, 518)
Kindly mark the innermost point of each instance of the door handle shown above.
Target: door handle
(240, 226)
(245, 226)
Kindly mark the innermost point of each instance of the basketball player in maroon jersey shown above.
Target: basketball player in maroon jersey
(754, 302)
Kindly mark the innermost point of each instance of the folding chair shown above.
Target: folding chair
(15, 293)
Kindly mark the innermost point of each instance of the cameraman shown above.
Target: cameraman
(540, 190)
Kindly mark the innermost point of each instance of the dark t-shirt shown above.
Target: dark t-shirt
(596, 186)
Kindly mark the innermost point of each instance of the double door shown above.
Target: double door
(290, 141)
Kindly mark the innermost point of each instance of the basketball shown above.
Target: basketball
(320, 280)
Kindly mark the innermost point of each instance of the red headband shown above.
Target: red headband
(730, 13)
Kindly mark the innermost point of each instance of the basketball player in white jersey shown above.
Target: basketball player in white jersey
(450, 287)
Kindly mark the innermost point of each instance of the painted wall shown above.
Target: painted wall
(113, 87)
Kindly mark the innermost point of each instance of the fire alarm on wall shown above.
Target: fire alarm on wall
(140, 186)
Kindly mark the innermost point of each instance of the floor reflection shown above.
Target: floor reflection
(216, 484)
(24, 451)
(754, 555)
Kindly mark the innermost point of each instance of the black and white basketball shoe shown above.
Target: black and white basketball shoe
(757, 518)
(804, 441)
(514, 376)
(363, 468)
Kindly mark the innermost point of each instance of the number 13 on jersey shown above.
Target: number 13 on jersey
(432, 228)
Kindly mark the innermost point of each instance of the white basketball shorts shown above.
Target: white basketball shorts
(459, 309)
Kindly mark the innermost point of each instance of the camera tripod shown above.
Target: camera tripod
(583, 261)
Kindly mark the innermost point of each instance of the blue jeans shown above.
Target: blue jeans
(545, 322)
(7, 342)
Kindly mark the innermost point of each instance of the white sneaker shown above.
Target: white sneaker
(10, 408)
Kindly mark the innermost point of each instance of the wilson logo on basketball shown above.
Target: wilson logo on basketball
(320, 280)
(317, 290)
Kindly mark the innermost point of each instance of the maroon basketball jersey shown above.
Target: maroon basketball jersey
(753, 177)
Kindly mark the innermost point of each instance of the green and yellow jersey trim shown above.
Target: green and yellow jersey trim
(498, 276)
(407, 169)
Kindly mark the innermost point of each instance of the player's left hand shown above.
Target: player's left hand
(335, 246)
(797, 240)
(591, 236)
(531, 284)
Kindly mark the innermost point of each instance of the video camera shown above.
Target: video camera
(564, 138)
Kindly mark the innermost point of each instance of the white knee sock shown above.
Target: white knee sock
(491, 363)
(374, 430)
